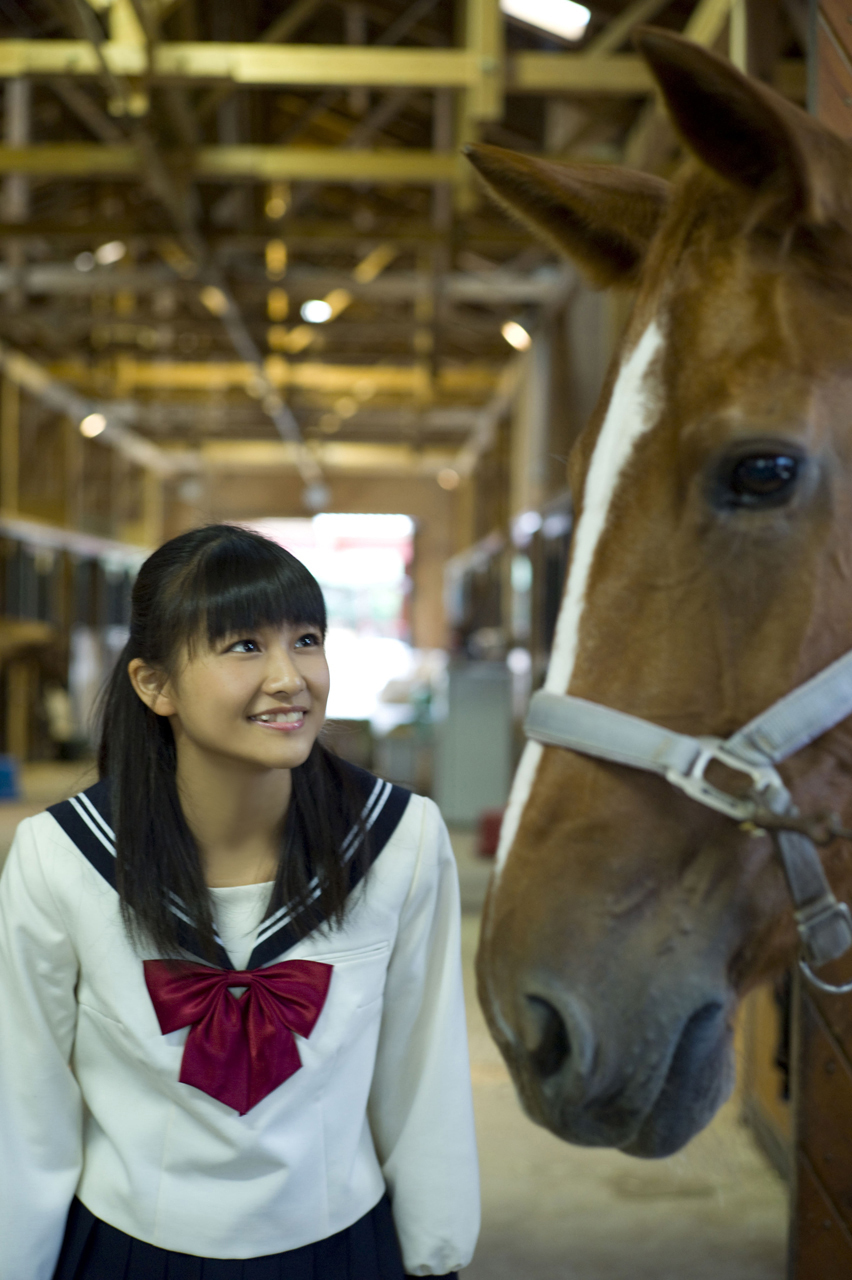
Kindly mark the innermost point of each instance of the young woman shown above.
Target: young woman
(232, 1038)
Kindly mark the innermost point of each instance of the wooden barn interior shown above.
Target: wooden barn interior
(247, 274)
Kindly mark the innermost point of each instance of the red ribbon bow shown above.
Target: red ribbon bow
(240, 1048)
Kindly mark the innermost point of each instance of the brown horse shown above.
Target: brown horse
(710, 574)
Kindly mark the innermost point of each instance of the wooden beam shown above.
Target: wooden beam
(707, 20)
(615, 73)
(616, 32)
(246, 64)
(332, 379)
(402, 231)
(265, 455)
(484, 40)
(618, 74)
(9, 444)
(237, 163)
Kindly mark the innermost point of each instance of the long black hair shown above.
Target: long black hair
(201, 587)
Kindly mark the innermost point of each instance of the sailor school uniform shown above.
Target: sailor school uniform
(363, 1087)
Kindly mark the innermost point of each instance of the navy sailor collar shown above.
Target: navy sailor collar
(86, 820)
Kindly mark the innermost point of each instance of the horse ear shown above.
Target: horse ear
(746, 132)
(602, 217)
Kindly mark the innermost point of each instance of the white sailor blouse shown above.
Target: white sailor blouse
(102, 1094)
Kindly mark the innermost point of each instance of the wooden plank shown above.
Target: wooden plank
(834, 82)
(824, 1135)
(821, 1248)
(838, 15)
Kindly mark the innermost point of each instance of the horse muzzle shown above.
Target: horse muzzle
(673, 1070)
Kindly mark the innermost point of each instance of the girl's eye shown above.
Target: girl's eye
(244, 646)
(309, 640)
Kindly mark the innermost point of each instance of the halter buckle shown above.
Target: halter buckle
(767, 789)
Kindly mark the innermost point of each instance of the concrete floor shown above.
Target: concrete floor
(716, 1211)
(556, 1212)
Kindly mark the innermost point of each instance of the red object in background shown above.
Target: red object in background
(488, 832)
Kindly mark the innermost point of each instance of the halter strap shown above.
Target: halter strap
(804, 714)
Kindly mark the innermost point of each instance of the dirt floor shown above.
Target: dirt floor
(716, 1211)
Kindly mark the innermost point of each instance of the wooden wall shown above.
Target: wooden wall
(821, 1219)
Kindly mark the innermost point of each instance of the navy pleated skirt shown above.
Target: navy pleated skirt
(93, 1250)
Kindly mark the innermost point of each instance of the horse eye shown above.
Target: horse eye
(761, 480)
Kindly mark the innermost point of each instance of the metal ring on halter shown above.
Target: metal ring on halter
(833, 989)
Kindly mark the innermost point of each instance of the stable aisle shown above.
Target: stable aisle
(556, 1212)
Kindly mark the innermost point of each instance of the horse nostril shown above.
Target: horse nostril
(545, 1036)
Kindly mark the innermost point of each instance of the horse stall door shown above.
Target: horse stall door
(821, 1226)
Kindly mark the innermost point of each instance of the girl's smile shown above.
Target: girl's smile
(282, 721)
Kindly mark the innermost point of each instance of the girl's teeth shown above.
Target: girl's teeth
(280, 717)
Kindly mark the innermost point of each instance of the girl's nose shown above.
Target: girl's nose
(283, 676)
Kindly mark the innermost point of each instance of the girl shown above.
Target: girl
(232, 1038)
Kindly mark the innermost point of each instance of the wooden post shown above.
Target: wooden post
(153, 507)
(18, 683)
(821, 1195)
(9, 446)
(482, 35)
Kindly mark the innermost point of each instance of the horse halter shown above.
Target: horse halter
(824, 924)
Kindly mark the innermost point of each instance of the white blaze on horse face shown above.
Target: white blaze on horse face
(629, 416)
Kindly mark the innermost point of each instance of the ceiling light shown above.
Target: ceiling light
(277, 305)
(316, 311)
(112, 251)
(84, 261)
(214, 299)
(346, 407)
(276, 259)
(448, 478)
(277, 200)
(559, 17)
(516, 335)
(92, 425)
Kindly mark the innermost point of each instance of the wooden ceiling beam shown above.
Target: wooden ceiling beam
(245, 64)
(265, 455)
(261, 65)
(236, 163)
(132, 375)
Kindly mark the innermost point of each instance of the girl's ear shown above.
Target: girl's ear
(151, 686)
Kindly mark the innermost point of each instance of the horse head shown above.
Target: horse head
(709, 575)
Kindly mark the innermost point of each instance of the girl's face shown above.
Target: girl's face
(257, 696)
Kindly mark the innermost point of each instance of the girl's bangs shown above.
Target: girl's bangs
(246, 583)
